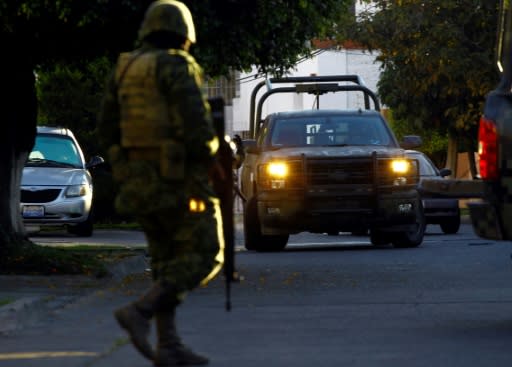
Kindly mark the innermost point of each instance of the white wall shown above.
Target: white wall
(328, 62)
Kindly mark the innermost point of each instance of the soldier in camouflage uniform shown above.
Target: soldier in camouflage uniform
(158, 125)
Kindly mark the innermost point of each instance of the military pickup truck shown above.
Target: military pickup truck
(327, 170)
(491, 216)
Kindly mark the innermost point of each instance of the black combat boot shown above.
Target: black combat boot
(135, 319)
(170, 350)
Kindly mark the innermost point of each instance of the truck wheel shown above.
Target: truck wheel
(379, 238)
(272, 243)
(412, 238)
(254, 240)
(363, 231)
(451, 225)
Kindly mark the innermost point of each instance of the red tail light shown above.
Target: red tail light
(488, 149)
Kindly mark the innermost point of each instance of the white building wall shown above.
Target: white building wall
(327, 62)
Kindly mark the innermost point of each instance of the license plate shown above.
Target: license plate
(33, 211)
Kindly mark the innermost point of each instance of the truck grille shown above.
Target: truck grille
(354, 171)
(336, 172)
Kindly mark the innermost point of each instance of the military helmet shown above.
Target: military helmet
(168, 15)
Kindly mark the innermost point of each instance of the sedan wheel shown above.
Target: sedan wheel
(451, 225)
(84, 229)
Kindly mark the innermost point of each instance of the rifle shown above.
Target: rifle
(223, 185)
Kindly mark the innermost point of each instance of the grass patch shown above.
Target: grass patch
(5, 301)
(99, 225)
(126, 226)
(45, 260)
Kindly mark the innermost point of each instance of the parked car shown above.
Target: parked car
(438, 210)
(56, 186)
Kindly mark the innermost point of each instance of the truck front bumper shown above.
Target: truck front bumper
(293, 212)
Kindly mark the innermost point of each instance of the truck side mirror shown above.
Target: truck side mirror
(250, 146)
(443, 172)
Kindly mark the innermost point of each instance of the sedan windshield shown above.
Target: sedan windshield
(426, 166)
(54, 151)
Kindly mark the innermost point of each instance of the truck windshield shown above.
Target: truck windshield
(330, 131)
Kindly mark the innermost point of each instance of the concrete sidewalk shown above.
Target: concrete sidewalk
(68, 321)
(24, 298)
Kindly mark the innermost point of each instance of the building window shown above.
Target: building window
(225, 87)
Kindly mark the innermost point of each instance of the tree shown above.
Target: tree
(19, 111)
(437, 61)
(233, 34)
(69, 96)
(272, 34)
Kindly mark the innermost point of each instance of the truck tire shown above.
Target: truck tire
(362, 231)
(412, 238)
(379, 238)
(254, 240)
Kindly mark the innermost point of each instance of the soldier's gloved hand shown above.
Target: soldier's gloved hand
(216, 172)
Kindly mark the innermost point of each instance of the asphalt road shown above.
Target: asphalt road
(324, 301)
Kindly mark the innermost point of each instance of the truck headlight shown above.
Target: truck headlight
(400, 166)
(274, 175)
(277, 170)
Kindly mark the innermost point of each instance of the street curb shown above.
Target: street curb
(14, 315)
(28, 309)
(128, 266)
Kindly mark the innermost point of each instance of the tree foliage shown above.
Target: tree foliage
(69, 96)
(435, 141)
(232, 34)
(437, 59)
(271, 34)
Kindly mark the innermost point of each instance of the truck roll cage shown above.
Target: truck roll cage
(316, 85)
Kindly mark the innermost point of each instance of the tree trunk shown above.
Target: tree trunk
(472, 163)
(451, 157)
(19, 117)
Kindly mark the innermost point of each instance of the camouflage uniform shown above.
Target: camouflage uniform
(158, 124)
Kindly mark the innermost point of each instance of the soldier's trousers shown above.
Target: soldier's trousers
(186, 248)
